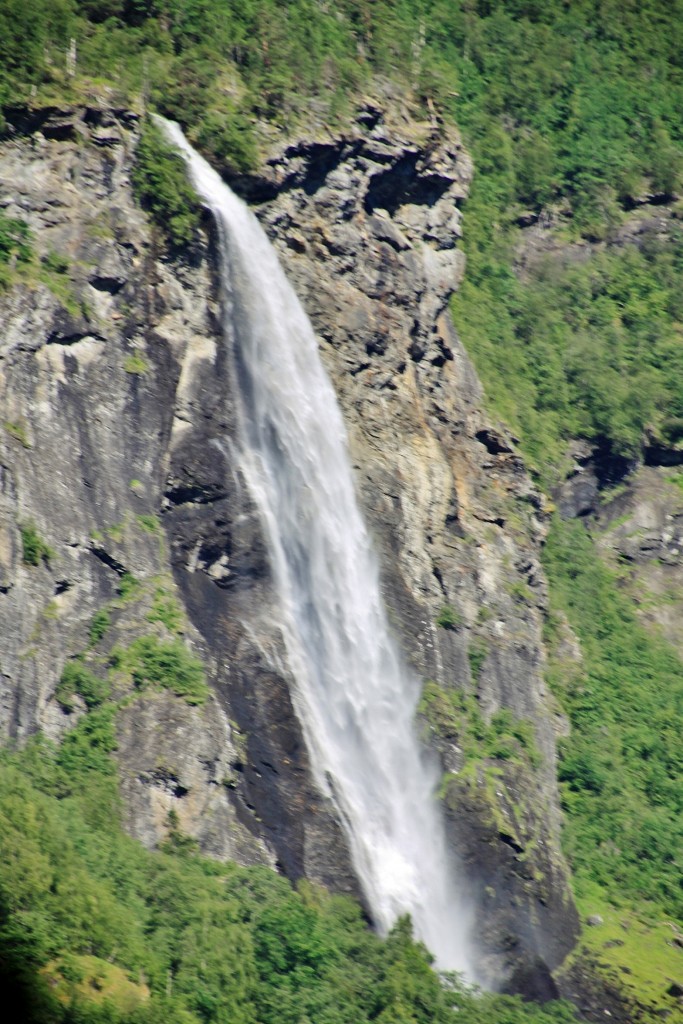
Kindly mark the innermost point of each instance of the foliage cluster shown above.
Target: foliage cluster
(18, 432)
(129, 586)
(101, 621)
(167, 610)
(592, 349)
(575, 101)
(149, 523)
(30, 33)
(56, 262)
(15, 246)
(449, 618)
(135, 363)
(164, 663)
(76, 678)
(19, 261)
(571, 107)
(476, 656)
(94, 929)
(455, 715)
(622, 766)
(35, 549)
(160, 182)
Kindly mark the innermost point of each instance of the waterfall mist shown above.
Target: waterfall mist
(355, 698)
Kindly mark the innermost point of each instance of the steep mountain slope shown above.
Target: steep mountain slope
(121, 383)
(372, 248)
(571, 312)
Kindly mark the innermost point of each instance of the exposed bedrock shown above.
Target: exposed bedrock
(117, 417)
(120, 400)
(367, 226)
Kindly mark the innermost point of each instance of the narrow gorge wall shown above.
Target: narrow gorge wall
(118, 407)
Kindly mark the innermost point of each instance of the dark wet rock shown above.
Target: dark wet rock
(592, 468)
(578, 494)
(533, 982)
(598, 993)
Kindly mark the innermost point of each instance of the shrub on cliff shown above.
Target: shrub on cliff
(228, 139)
(76, 678)
(167, 664)
(161, 185)
(34, 549)
(15, 247)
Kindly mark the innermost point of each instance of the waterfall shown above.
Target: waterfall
(355, 698)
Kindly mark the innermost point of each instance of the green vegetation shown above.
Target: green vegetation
(167, 610)
(575, 104)
(18, 432)
(95, 929)
(29, 33)
(15, 239)
(588, 350)
(52, 271)
(136, 364)
(448, 618)
(149, 523)
(571, 110)
(55, 262)
(160, 182)
(622, 766)
(635, 943)
(50, 611)
(15, 246)
(477, 652)
(455, 715)
(80, 978)
(561, 109)
(116, 531)
(129, 587)
(76, 678)
(520, 592)
(18, 259)
(35, 550)
(101, 621)
(167, 664)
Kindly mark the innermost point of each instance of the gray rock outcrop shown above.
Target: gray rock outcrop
(367, 227)
(95, 361)
(118, 409)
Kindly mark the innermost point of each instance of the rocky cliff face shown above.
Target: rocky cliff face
(367, 225)
(98, 363)
(118, 399)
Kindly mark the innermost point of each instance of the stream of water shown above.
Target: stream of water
(355, 697)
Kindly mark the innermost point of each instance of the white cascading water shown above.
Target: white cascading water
(355, 699)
